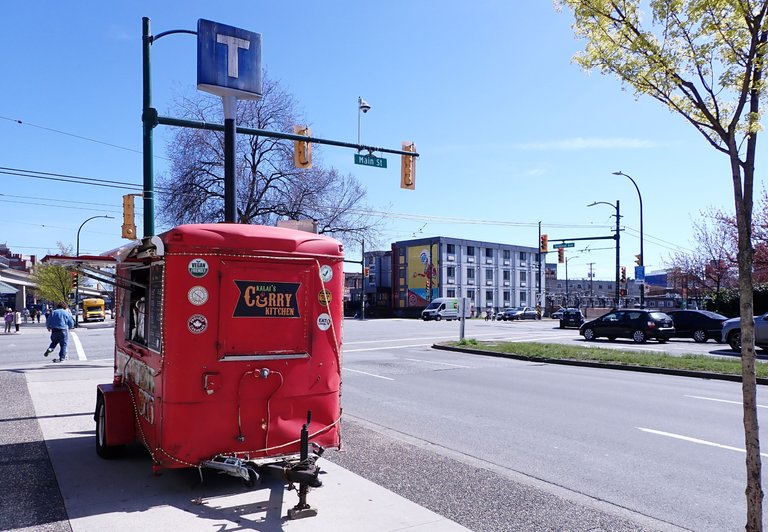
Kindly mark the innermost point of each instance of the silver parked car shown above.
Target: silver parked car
(732, 332)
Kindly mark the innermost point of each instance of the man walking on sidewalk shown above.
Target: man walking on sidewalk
(58, 323)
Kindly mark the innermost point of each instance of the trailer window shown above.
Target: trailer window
(135, 306)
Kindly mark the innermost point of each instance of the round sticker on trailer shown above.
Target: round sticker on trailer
(324, 297)
(197, 268)
(326, 273)
(197, 295)
(197, 323)
(324, 322)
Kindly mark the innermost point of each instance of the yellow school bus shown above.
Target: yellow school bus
(93, 309)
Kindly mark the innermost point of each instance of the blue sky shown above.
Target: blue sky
(510, 131)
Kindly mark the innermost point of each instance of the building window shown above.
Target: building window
(451, 271)
(470, 273)
(450, 248)
(522, 255)
(471, 294)
(451, 292)
(523, 297)
(470, 251)
(506, 274)
(523, 277)
(488, 253)
(489, 298)
(506, 254)
(506, 297)
(489, 274)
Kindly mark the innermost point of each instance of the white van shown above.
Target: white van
(441, 308)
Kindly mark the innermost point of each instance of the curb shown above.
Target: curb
(601, 365)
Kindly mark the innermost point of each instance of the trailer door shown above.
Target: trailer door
(263, 312)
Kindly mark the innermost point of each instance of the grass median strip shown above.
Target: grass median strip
(613, 356)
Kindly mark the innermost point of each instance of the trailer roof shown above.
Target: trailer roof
(249, 238)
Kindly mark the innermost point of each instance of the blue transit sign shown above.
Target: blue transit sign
(639, 273)
(228, 60)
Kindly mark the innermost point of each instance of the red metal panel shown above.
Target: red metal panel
(119, 418)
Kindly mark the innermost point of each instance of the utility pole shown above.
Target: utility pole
(362, 279)
(618, 259)
(591, 284)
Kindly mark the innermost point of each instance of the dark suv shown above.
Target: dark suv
(571, 317)
(638, 324)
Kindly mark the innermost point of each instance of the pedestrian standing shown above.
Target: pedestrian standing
(38, 314)
(59, 322)
(17, 319)
(8, 320)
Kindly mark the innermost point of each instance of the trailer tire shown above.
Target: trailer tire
(253, 478)
(102, 449)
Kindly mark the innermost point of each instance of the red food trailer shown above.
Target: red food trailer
(227, 351)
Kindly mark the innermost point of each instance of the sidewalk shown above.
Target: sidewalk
(122, 494)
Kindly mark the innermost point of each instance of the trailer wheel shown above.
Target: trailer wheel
(102, 449)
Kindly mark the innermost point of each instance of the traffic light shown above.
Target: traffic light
(623, 274)
(560, 255)
(544, 244)
(367, 271)
(408, 167)
(129, 227)
(639, 259)
(623, 292)
(302, 149)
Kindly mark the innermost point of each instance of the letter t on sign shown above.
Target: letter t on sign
(233, 44)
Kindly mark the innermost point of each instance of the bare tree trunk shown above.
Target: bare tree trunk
(743, 200)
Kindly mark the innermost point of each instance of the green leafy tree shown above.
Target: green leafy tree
(53, 282)
(705, 61)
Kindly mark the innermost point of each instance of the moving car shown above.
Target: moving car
(571, 317)
(732, 332)
(520, 313)
(701, 325)
(556, 315)
(637, 324)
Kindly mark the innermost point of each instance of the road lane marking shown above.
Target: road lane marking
(369, 374)
(720, 400)
(78, 347)
(385, 348)
(436, 362)
(694, 440)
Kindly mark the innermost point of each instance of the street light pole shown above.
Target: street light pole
(77, 254)
(567, 297)
(642, 256)
(617, 238)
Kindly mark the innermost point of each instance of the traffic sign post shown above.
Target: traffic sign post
(370, 160)
(564, 245)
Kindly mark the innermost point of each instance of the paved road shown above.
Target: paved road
(490, 444)
(670, 448)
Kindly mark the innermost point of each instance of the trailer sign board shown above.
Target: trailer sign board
(228, 60)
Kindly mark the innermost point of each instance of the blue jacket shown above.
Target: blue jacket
(60, 319)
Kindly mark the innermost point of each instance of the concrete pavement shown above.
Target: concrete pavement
(122, 494)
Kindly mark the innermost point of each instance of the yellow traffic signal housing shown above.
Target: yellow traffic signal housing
(544, 244)
(302, 149)
(560, 255)
(129, 226)
(408, 167)
(639, 259)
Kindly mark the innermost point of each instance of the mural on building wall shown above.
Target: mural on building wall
(423, 282)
